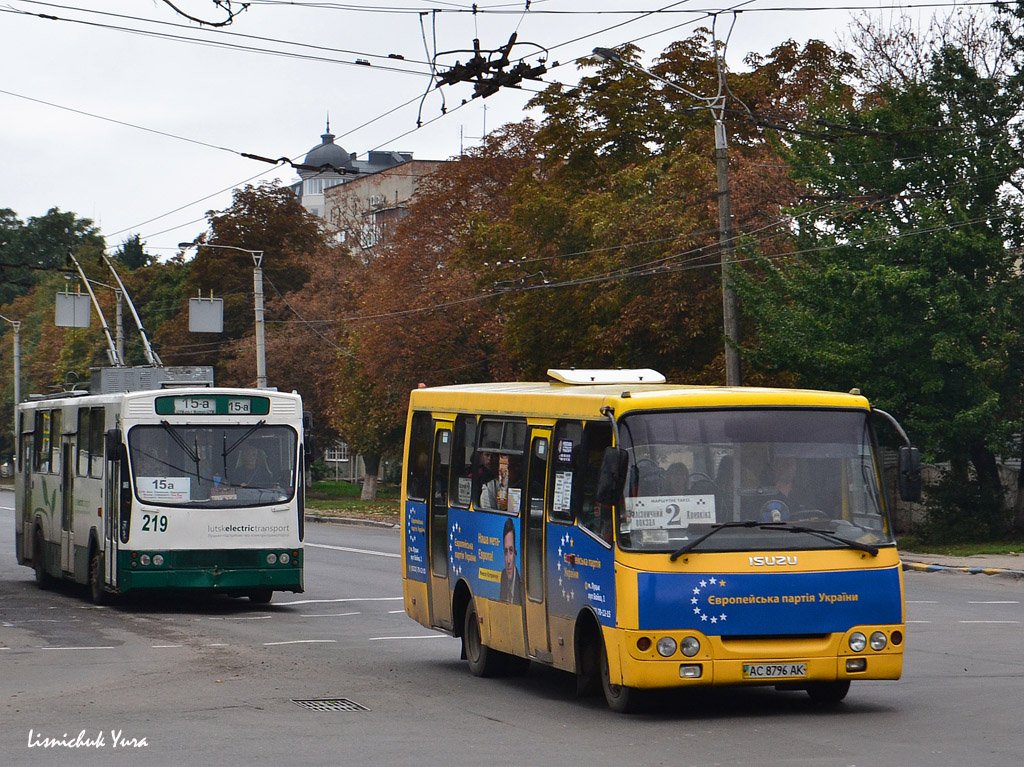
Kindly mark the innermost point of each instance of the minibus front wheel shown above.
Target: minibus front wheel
(619, 697)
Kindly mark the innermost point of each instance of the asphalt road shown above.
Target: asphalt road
(220, 681)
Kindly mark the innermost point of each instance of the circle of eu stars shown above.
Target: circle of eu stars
(704, 583)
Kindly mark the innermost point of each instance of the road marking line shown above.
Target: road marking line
(328, 615)
(997, 602)
(1014, 623)
(422, 636)
(302, 641)
(354, 551)
(55, 647)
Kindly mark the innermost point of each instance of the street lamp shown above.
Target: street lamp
(730, 319)
(16, 324)
(257, 287)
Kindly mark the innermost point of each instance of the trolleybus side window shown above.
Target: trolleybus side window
(461, 488)
(43, 441)
(89, 454)
(418, 460)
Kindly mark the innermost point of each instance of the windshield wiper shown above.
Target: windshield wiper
(696, 541)
(193, 454)
(828, 535)
(784, 526)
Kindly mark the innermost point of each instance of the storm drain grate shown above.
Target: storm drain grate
(331, 704)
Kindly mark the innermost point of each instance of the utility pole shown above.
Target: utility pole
(730, 316)
(261, 348)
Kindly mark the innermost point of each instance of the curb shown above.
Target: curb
(923, 567)
(350, 521)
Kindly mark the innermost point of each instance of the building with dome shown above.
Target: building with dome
(328, 164)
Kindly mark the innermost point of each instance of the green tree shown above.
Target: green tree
(902, 282)
(132, 253)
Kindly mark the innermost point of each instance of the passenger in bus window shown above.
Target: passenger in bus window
(253, 470)
(677, 479)
(487, 479)
(511, 582)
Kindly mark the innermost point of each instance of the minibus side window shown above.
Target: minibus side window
(566, 464)
(461, 483)
(418, 461)
(594, 516)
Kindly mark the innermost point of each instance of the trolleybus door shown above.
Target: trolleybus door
(536, 614)
(437, 524)
(111, 505)
(67, 508)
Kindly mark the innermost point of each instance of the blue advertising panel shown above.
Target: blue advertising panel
(731, 604)
(486, 549)
(416, 541)
(580, 572)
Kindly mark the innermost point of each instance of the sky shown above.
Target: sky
(127, 113)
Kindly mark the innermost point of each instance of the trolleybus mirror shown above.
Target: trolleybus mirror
(613, 475)
(910, 474)
(114, 445)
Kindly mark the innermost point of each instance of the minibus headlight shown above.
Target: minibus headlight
(858, 641)
(690, 646)
(666, 647)
(158, 560)
(145, 559)
(878, 641)
(271, 558)
(284, 558)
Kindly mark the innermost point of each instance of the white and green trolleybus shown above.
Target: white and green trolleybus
(191, 488)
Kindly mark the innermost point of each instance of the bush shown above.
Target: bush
(962, 512)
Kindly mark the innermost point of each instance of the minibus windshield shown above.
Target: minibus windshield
(748, 474)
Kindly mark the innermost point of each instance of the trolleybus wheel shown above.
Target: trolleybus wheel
(261, 596)
(97, 590)
(619, 697)
(43, 579)
(828, 693)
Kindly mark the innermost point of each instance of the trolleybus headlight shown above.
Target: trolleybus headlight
(690, 646)
(158, 560)
(284, 558)
(643, 644)
(858, 641)
(897, 638)
(271, 558)
(145, 559)
(878, 641)
(667, 647)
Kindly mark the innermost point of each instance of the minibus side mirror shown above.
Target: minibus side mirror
(114, 446)
(612, 479)
(909, 479)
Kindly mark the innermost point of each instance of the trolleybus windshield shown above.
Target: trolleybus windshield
(750, 475)
(218, 466)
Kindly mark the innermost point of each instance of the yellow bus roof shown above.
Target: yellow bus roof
(555, 399)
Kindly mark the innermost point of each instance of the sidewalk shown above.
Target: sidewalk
(1006, 565)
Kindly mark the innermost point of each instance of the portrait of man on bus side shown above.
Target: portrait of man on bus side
(511, 589)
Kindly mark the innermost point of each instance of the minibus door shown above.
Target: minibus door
(67, 509)
(536, 613)
(437, 524)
